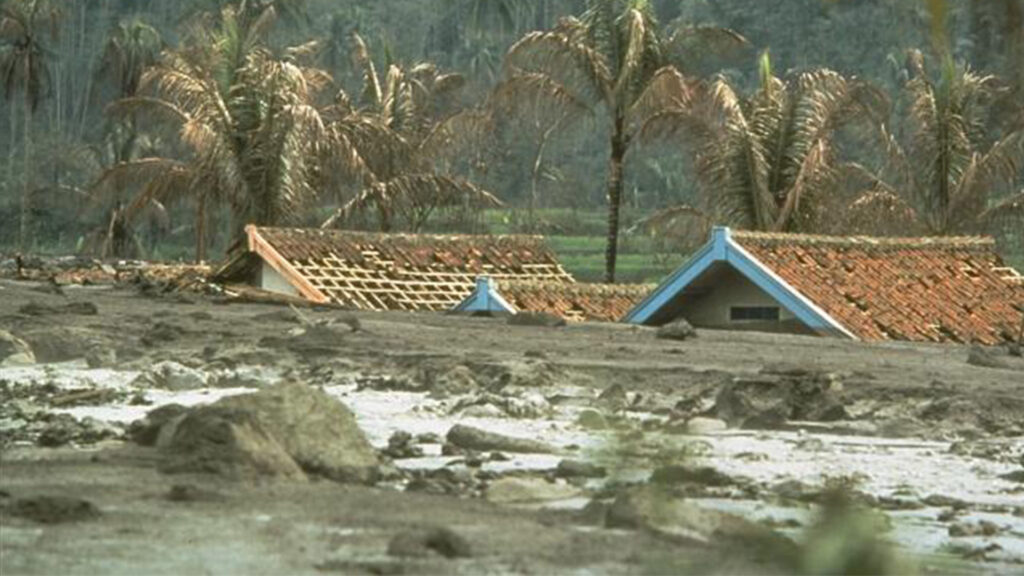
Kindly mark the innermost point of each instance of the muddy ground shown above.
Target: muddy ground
(757, 429)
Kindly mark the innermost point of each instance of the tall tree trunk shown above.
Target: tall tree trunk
(1014, 26)
(26, 193)
(201, 229)
(615, 170)
(12, 153)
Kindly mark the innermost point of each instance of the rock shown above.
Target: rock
(940, 501)
(457, 380)
(1015, 476)
(192, 493)
(700, 426)
(987, 358)
(657, 510)
(145, 432)
(14, 351)
(282, 431)
(423, 542)
(170, 375)
(62, 429)
(400, 445)
(965, 529)
(771, 399)
(677, 330)
(679, 474)
(445, 481)
(516, 490)
(53, 509)
(229, 443)
(161, 333)
(101, 357)
(578, 469)
(469, 438)
(61, 343)
(429, 438)
(591, 420)
(613, 397)
(542, 319)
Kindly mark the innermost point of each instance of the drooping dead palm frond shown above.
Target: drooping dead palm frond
(406, 134)
(252, 136)
(684, 226)
(414, 198)
(958, 181)
(765, 161)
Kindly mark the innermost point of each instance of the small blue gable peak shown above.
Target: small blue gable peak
(485, 298)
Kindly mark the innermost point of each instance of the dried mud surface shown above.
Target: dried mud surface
(147, 521)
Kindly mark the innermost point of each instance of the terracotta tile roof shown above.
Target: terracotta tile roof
(575, 302)
(371, 271)
(919, 289)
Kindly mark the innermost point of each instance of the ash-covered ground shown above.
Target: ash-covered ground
(470, 445)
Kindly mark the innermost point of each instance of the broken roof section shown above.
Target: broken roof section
(371, 271)
(917, 289)
(574, 302)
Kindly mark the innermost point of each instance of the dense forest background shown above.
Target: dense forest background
(89, 54)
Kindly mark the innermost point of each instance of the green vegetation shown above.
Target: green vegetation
(143, 128)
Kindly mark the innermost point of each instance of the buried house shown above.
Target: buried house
(373, 271)
(916, 289)
(577, 302)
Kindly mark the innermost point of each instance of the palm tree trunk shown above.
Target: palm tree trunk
(201, 229)
(27, 177)
(615, 169)
(538, 162)
(12, 153)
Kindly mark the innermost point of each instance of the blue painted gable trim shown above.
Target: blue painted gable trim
(722, 248)
(485, 298)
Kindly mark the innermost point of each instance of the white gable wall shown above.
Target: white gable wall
(272, 281)
(721, 288)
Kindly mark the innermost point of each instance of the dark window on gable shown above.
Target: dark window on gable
(754, 314)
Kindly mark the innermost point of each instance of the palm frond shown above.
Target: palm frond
(577, 67)
(372, 92)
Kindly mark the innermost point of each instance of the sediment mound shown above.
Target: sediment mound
(779, 394)
(286, 431)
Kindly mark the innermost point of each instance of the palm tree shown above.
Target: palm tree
(25, 73)
(948, 173)
(131, 48)
(252, 137)
(768, 161)
(406, 131)
(607, 58)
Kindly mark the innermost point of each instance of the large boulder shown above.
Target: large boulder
(14, 350)
(778, 395)
(281, 431)
(469, 438)
(62, 343)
